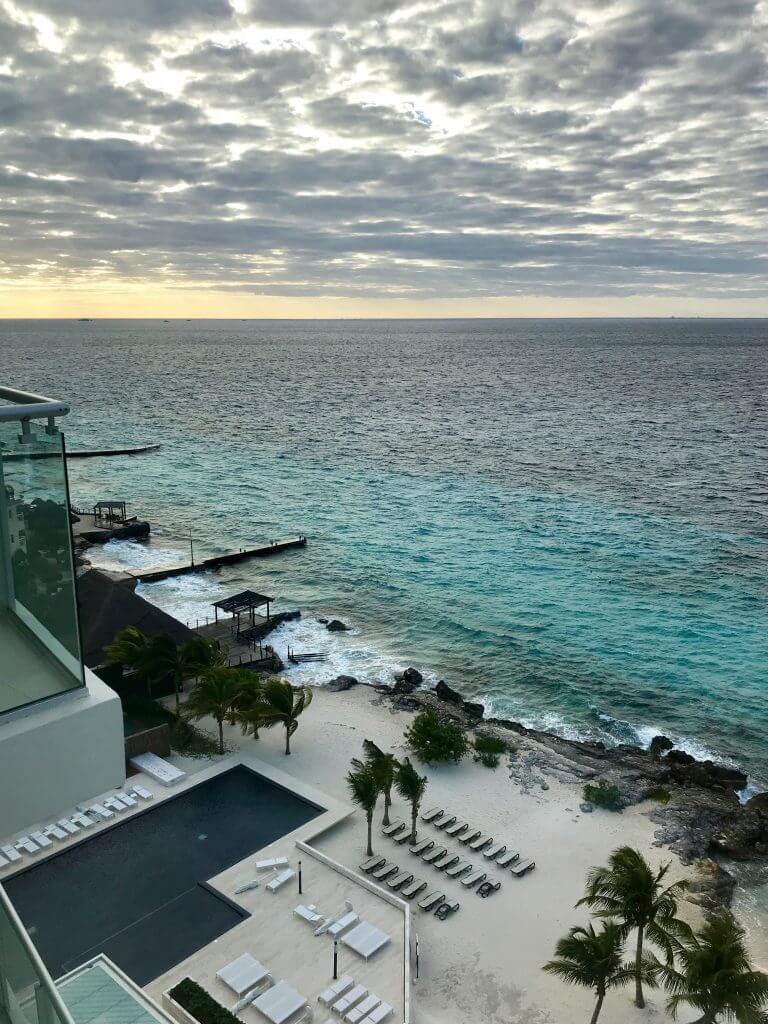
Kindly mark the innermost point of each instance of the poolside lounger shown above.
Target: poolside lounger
(280, 880)
(446, 861)
(41, 840)
(413, 889)
(142, 792)
(446, 909)
(480, 843)
(507, 858)
(373, 862)
(433, 813)
(469, 835)
(242, 974)
(308, 914)
(11, 853)
(434, 854)
(115, 805)
(337, 989)
(158, 768)
(280, 1002)
(82, 820)
(70, 827)
(384, 871)
(343, 924)
(362, 1009)
(26, 844)
(348, 1000)
(365, 939)
(56, 831)
(422, 847)
(456, 870)
(486, 888)
(456, 828)
(125, 798)
(246, 887)
(431, 900)
(382, 1011)
(494, 851)
(394, 826)
(101, 811)
(399, 880)
(404, 836)
(273, 864)
(443, 822)
(473, 879)
(3, 861)
(522, 867)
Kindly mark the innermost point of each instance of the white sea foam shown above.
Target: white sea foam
(123, 555)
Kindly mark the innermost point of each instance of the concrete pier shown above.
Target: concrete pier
(274, 547)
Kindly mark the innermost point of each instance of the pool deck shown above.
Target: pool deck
(272, 933)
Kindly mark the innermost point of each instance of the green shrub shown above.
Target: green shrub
(434, 741)
(190, 741)
(660, 794)
(200, 1005)
(488, 750)
(603, 795)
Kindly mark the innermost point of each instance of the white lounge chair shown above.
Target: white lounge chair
(494, 851)
(446, 861)
(3, 861)
(384, 871)
(336, 990)
(26, 844)
(342, 924)
(382, 1011)
(11, 853)
(70, 827)
(246, 887)
(280, 1003)
(392, 828)
(308, 914)
(434, 854)
(473, 878)
(404, 836)
(413, 889)
(365, 939)
(373, 862)
(82, 820)
(422, 847)
(56, 831)
(445, 821)
(142, 792)
(522, 867)
(243, 974)
(280, 880)
(456, 870)
(349, 999)
(507, 858)
(470, 835)
(273, 864)
(362, 1009)
(480, 843)
(457, 828)
(114, 804)
(100, 811)
(400, 879)
(431, 900)
(446, 909)
(433, 813)
(126, 798)
(42, 840)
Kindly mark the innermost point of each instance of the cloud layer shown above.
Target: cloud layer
(378, 148)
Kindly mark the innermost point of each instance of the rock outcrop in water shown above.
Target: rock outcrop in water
(336, 626)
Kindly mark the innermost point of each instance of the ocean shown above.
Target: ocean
(565, 519)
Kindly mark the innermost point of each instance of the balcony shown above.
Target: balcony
(39, 629)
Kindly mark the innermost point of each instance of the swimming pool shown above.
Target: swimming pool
(137, 891)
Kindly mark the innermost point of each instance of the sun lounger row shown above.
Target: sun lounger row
(252, 982)
(474, 839)
(62, 829)
(354, 1003)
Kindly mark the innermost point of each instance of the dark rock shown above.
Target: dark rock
(680, 757)
(335, 626)
(405, 703)
(473, 710)
(586, 807)
(412, 675)
(403, 687)
(660, 745)
(341, 683)
(324, 622)
(758, 804)
(444, 692)
(407, 681)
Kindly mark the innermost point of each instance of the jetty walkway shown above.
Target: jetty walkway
(275, 547)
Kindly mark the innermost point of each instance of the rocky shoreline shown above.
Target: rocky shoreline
(696, 805)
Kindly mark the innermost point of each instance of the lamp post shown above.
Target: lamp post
(335, 959)
(299, 878)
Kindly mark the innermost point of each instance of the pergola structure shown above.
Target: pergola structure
(110, 511)
(246, 601)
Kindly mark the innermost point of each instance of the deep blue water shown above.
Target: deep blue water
(565, 518)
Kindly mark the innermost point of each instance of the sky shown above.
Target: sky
(378, 158)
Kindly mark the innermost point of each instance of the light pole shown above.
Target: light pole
(335, 959)
(299, 878)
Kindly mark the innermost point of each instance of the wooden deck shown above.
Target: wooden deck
(237, 651)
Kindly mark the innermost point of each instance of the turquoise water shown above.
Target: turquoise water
(564, 519)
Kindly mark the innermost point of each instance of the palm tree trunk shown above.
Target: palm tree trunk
(639, 1001)
(369, 852)
(414, 815)
(387, 805)
(221, 734)
(287, 739)
(598, 1008)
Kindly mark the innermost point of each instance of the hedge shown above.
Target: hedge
(203, 1007)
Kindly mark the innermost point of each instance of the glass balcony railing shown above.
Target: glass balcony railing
(39, 628)
(27, 993)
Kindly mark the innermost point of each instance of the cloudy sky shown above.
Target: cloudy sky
(322, 157)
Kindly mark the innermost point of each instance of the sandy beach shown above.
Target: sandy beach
(484, 963)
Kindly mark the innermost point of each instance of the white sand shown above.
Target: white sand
(483, 965)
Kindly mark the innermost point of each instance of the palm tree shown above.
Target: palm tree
(716, 975)
(137, 652)
(364, 790)
(214, 694)
(248, 704)
(384, 767)
(594, 960)
(181, 662)
(283, 704)
(630, 890)
(411, 786)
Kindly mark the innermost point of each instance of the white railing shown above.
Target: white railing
(26, 406)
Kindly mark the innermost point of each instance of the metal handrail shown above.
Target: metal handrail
(28, 406)
(41, 971)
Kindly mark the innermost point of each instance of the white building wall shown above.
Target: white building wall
(59, 753)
